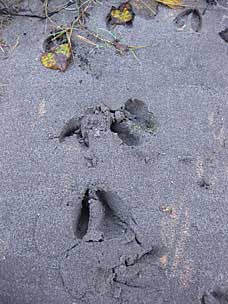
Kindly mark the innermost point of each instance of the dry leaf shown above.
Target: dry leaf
(122, 15)
(58, 58)
(171, 3)
(122, 48)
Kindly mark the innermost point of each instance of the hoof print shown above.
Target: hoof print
(124, 131)
(181, 20)
(99, 216)
(133, 122)
(73, 126)
(93, 122)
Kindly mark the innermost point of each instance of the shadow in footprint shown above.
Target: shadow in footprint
(94, 122)
(140, 113)
(133, 122)
(124, 131)
(73, 127)
(83, 221)
(114, 222)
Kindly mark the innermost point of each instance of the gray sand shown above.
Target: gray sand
(165, 215)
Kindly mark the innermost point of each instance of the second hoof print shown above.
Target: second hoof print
(133, 123)
(99, 216)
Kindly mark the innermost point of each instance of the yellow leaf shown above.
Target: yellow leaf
(124, 16)
(63, 49)
(171, 3)
(48, 60)
(57, 58)
(121, 15)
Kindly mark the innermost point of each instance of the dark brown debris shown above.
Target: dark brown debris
(224, 35)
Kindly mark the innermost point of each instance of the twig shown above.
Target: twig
(135, 56)
(85, 39)
(113, 43)
(1, 48)
(148, 7)
(15, 45)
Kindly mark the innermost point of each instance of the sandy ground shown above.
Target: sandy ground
(165, 199)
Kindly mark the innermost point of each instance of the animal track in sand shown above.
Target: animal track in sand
(93, 122)
(99, 216)
(133, 123)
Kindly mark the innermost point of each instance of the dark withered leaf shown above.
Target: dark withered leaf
(123, 15)
(224, 34)
(122, 48)
(196, 20)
